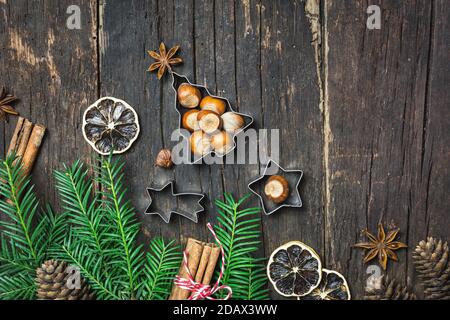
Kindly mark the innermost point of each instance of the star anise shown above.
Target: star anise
(5, 104)
(382, 246)
(164, 59)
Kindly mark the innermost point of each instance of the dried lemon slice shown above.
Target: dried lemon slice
(294, 269)
(110, 124)
(332, 287)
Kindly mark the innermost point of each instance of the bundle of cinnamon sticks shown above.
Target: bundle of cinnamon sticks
(202, 260)
(25, 142)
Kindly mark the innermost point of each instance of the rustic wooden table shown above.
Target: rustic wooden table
(365, 113)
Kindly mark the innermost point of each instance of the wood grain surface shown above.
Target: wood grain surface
(364, 113)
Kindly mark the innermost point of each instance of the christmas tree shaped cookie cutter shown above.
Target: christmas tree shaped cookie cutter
(164, 60)
(177, 80)
(292, 176)
(180, 203)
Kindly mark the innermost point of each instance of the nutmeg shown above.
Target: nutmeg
(232, 122)
(277, 189)
(209, 121)
(200, 143)
(188, 95)
(164, 159)
(189, 120)
(214, 104)
(222, 142)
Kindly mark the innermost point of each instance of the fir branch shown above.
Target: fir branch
(19, 287)
(75, 192)
(11, 261)
(78, 255)
(120, 213)
(56, 230)
(20, 205)
(239, 232)
(26, 235)
(257, 284)
(162, 265)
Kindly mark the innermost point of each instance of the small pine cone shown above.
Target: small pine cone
(389, 290)
(52, 283)
(431, 259)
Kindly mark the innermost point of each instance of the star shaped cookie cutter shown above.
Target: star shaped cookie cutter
(181, 199)
(292, 176)
(177, 80)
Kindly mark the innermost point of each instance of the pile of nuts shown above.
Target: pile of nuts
(212, 129)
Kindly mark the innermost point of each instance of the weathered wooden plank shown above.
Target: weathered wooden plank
(198, 31)
(234, 176)
(127, 30)
(378, 150)
(381, 128)
(435, 160)
(188, 177)
(53, 71)
(248, 99)
(247, 69)
(291, 103)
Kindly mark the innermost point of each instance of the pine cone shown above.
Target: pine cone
(52, 283)
(389, 290)
(431, 259)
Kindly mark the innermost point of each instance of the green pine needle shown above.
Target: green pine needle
(20, 207)
(119, 213)
(98, 234)
(102, 242)
(19, 287)
(239, 232)
(163, 261)
(26, 234)
(85, 216)
(79, 255)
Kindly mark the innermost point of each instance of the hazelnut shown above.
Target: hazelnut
(200, 143)
(214, 104)
(222, 142)
(209, 121)
(164, 159)
(188, 95)
(232, 122)
(189, 120)
(277, 189)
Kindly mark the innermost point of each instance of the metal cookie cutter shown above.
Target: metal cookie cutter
(180, 203)
(180, 79)
(292, 176)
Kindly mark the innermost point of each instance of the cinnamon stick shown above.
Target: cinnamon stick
(20, 138)
(203, 263)
(204, 260)
(25, 142)
(32, 148)
(15, 137)
(212, 262)
(194, 248)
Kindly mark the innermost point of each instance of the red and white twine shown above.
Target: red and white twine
(203, 291)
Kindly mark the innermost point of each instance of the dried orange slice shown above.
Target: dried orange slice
(294, 269)
(110, 124)
(332, 287)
